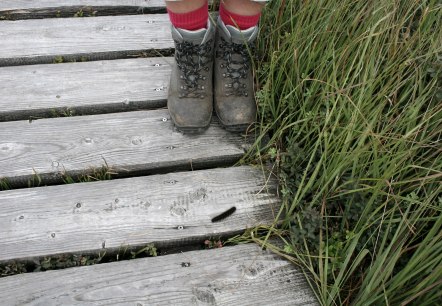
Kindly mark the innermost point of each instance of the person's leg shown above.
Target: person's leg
(188, 14)
(184, 6)
(237, 28)
(241, 13)
(190, 99)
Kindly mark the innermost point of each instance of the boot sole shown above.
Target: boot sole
(236, 128)
(192, 130)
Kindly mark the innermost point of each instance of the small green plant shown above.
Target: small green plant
(67, 261)
(4, 184)
(58, 59)
(62, 112)
(149, 250)
(79, 13)
(35, 180)
(6, 16)
(12, 268)
(102, 173)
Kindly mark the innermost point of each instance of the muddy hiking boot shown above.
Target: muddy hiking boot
(190, 100)
(233, 80)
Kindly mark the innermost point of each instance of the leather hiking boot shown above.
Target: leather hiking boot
(190, 99)
(234, 91)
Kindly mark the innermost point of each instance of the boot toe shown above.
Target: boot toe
(190, 116)
(236, 115)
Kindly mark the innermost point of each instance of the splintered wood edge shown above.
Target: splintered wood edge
(240, 275)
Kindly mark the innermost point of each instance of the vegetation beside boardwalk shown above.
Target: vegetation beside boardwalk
(350, 93)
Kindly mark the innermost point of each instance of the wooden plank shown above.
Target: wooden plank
(239, 275)
(168, 210)
(140, 142)
(26, 9)
(83, 88)
(67, 39)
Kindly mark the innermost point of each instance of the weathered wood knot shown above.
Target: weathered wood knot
(170, 182)
(88, 140)
(136, 140)
(204, 295)
(177, 210)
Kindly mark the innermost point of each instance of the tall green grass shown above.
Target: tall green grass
(350, 93)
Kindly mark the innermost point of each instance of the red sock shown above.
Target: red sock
(238, 21)
(191, 21)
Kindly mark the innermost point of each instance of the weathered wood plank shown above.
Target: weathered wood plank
(68, 39)
(239, 275)
(83, 88)
(141, 141)
(26, 9)
(167, 210)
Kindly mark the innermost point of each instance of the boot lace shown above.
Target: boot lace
(193, 62)
(236, 69)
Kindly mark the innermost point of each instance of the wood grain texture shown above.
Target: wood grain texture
(26, 9)
(68, 39)
(141, 142)
(85, 217)
(239, 275)
(83, 88)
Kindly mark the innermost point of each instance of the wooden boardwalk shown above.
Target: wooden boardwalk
(83, 87)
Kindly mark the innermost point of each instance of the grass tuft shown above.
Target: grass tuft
(355, 124)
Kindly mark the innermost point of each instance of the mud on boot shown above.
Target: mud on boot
(190, 99)
(233, 80)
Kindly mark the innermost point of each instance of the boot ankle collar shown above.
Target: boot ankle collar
(235, 35)
(197, 37)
